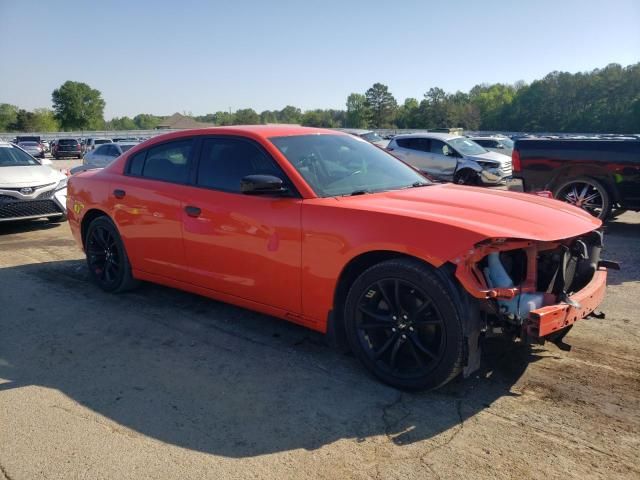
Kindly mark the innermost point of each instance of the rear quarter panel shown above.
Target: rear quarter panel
(86, 191)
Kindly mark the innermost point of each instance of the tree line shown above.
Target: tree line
(605, 100)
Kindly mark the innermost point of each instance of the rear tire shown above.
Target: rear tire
(403, 325)
(586, 193)
(107, 258)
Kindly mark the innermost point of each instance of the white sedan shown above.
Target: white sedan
(30, 188)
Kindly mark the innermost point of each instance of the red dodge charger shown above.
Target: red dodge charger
(326, 230)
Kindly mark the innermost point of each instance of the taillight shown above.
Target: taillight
(515, 161)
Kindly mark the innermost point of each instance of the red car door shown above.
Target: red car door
(148, 208)
(248, 246)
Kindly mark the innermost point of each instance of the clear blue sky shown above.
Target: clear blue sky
(202, 56)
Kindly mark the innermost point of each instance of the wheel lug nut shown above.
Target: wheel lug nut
(393, 329)
(411, 329)
(394, 317)
(405, 317)
(404, 337)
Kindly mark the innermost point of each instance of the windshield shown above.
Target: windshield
(336, 165)
(14, 157)
(371, 137)
(466, 146)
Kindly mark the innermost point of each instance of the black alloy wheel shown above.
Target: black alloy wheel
(106, 257)
(404, 326)
(466, 177)
(588, 194)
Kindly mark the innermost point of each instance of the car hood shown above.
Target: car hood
(487, 212)
(491, 156)
(27, 176)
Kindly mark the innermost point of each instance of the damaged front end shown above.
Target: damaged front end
(534, 289)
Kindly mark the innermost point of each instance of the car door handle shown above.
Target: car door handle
(119, 193)
(192, 211)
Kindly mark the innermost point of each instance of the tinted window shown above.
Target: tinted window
(169, 162)
(67, 141)
(102, 141)
(420, 144)
(437, 146)
(137, 163)
(485, 143)
(101, 150)
(225, 161)
(111, 150)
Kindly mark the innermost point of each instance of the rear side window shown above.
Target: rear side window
(225, 161)
(169, 162)
(136, 164)
(420, 144)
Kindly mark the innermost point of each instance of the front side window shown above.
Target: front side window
(224, 162)
(335, 165)
(437, 147)
(168, 162)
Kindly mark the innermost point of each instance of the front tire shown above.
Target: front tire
(107, 259)
(466, 177)
(586, 193)
(403, 325)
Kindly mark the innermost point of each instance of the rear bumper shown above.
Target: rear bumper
(547, 320)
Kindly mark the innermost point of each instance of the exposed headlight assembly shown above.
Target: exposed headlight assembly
(62, 184)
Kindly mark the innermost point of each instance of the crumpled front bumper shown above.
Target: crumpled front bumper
(552, 318)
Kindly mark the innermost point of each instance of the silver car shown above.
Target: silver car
(32, 148)
(104, 154)
(29, 188)
(496, 143)
(451, 158)
(368, 135)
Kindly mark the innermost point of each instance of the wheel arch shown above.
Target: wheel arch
(89, 217)
(593, 172)
(352, 269)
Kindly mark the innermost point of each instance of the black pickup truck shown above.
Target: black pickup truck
(600, 176)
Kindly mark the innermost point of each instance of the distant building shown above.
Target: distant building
(180, 122)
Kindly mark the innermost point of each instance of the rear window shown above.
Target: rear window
(67, 141)
(101, 141)
(126, 147)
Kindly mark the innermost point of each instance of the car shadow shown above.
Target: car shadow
(23, 226)
(210, 377)
(619, 237)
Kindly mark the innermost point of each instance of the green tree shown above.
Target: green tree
(8, 117)
(121, 123)
(290, 114)
(145, 121)
(358, 113)
(223, 118)
(246, 116)
(78, 106)
(382, 105)
(269, 116)
(408, 114)
(44, 120)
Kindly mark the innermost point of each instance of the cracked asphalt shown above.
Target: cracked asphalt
(159, 383)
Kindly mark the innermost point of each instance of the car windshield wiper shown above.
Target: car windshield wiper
(358, 192)
(418, 184)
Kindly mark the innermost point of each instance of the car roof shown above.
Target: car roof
(264, 131)
(124, 143)
(435, 135)
(487, 137)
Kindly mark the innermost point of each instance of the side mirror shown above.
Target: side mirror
(262, 185)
